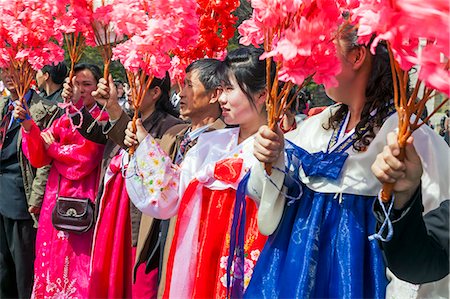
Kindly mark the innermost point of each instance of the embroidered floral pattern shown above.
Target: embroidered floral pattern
(62, 235)
(156, 174)
(249, 264)
(67, 149)
(60, 288)
(155, 179)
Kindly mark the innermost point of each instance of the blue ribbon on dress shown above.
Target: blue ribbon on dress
(320, 164)
(236, 253)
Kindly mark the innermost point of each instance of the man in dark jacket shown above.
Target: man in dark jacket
(418, 250)
(21, 193)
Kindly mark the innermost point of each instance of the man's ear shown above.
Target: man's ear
(215, 96)
(359, 55)
(46, 76)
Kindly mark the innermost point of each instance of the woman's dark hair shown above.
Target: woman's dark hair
(95, 70)
(57, 72)
(249, 70)
(379, 91)
(163, 103)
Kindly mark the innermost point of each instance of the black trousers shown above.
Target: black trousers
(17, 252)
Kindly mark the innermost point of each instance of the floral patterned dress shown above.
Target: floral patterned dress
(202, 192)
(62, 259)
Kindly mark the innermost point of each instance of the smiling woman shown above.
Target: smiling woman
(206, 190)
(86, 79)
(62, 258)
(318, 245)
(243, 93)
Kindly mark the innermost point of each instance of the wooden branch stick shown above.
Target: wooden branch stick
(406, 108)
(138, 92)
(403, 120)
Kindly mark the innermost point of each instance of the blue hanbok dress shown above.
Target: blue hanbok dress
(320, 248)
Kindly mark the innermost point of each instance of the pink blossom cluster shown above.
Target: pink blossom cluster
(130, 17)
(104, 26)
(301, 33)
(75, 16)
(28, 33)
(403, 23)
(169, 25)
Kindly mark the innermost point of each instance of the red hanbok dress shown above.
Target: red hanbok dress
(202, 192)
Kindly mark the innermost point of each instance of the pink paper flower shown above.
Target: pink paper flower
(75, 16)
(162, 28)
(27, 33)
(251, 33)
(301, 33)
(129, 17)
(403, 23)
(431, 70)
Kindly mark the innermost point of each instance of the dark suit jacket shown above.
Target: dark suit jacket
(418, 250)
(43, 113)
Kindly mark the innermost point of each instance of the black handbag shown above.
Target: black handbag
(74, 215)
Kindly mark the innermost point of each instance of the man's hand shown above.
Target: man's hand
(404, 175)
(21, 114)
(106, 95)
(34, 210)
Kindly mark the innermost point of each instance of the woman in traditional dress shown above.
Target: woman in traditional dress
(207, 188)
(318, 245)
(62, 258)
(118, 222)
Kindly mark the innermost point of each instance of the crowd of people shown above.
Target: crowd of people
(193, 212)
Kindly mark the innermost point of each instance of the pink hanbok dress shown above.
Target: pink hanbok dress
(62, 259)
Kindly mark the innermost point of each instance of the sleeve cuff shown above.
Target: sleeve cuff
(397, 214)
(119, 124)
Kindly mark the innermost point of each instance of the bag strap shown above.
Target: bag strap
(59, 183)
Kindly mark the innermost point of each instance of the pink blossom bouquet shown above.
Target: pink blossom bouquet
(405, 25)
(162, 26)
(104, 27)
(74, 21)
(28, 40)
(87, 23)
(298, 36)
